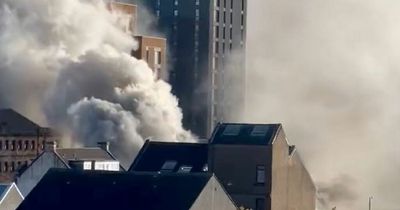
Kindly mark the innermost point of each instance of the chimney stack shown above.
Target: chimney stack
(105, 145)
(50, 146)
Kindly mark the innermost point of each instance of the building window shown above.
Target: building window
(230, 33)
(13, 145)
(1, 146)
(12, 166)
(197, 13)
(5, 166)
(242, 20)
(231, 4)
(19, 147)
(218, 3)
(175, 12)
(243, 5)
(216, 48)
(176, 2)
(225, 3)
(223, 33)
(217, 16)
(223, 48)
(224, 17)
(169, 165)
(260, 174)
(217, 32)
(157, 57)
(158, 13)
(231, 17)
(197, 2)
(185, 169)
(26, 145)
(6, 146)
(260, 204)
(33, 145)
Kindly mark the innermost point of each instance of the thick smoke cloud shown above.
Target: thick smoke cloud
(68, 64)
(328, 70)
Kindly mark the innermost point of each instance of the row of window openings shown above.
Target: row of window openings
(18, 145)
(217, 18)
(11, 166)
(157, 57)
(218, 4)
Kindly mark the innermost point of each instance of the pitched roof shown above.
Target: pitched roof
(153, 156)
(70, 189)
(244, 134)
(5, 188)
(12, 123)
(89, 153)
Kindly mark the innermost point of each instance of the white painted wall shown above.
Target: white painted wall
(34, 173)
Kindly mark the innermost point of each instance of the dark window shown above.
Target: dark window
(223, 48)
(159, 57)
(243, 5)
(5, 166)
(260, 174)
(1, 146)
(242, 20)
(223, 33)
(260, 204)
(19, 145)
(217, 16)
(13, 145)
(216, 32)
(169, 165)
(231, 4)
(7, 146)
(33, 145)
(216, 48)
(224, 17)
(230, 33)
(26, 145)
(1, 166)
(12, 167)
(224, 3)
(218, 3)
(147, 55)
(231, 18)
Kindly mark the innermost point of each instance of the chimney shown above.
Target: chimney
(50, 146)
(105, 145)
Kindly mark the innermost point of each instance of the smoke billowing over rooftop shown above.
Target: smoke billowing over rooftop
(328, 70)
(67, 64)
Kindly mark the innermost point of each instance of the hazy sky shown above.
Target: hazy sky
(328, 70)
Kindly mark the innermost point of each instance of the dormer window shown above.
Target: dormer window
(169, 165)
(185, 169)
(232, 130)
(259, 130)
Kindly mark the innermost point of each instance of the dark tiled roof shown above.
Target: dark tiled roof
(84, 154)
(13, 123)
(67, 189)
(244, 134)
(153, 155)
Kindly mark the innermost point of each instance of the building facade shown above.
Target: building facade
(151, 49)
(207, 42)
(253, 162)
(21, 141)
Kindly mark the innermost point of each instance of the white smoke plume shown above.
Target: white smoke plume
(67, 64)
(328, 70)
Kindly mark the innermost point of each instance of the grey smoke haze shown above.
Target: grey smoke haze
(67, 63)
(329, 71)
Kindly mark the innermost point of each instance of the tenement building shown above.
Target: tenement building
(21, 141)
(207, 42)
